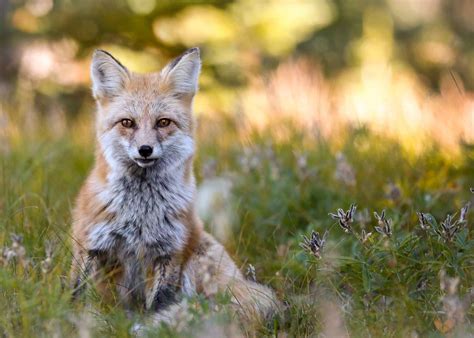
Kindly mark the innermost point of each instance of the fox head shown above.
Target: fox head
(145, 120)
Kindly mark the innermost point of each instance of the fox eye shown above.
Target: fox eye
(162, 123)
(127, 123)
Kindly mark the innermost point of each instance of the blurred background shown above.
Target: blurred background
(404, 68)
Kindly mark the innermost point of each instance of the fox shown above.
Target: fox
(136, 233)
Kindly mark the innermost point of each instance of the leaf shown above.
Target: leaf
(462, 240)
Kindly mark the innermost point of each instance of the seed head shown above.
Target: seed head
(365, 236)
(450, 227)
(463, 213)
(17, 246)
(315, 244)
(384, 225)
(345, 218)
(7, 255)
(423, 218)
(47, 263)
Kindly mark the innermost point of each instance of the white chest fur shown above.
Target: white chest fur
(145, 213)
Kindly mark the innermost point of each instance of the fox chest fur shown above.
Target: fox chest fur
(144, 219)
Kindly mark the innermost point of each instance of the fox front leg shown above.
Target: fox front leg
(165, 286)
(85, 269)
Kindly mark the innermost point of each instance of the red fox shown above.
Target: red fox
(135, 229)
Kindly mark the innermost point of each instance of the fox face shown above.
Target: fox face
(145, 120)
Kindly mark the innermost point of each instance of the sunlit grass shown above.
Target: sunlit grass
(386, 96)
(283, 188)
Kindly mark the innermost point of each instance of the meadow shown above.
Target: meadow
(358, 274)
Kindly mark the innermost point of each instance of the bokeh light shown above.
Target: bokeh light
(403, 67)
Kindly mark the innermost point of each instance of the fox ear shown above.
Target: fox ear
(182, 73)
(108, 75)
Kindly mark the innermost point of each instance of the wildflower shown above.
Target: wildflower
(345, 218)
(314, 245)
(393, 192)
(344, 171)
(422, 284)
(8, 254)
(384, 225)
(365, 236)
(449, 227)
(464, 210)
(17, 251)
(17, 246)
(423, 218)
(250, 273)
(46, 264)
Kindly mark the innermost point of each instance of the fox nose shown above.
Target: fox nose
(145, 151)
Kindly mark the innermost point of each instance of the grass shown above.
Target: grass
(417, 281)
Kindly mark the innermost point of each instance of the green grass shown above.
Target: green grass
(383, 287)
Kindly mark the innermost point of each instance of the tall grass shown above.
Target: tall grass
(377, 284)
